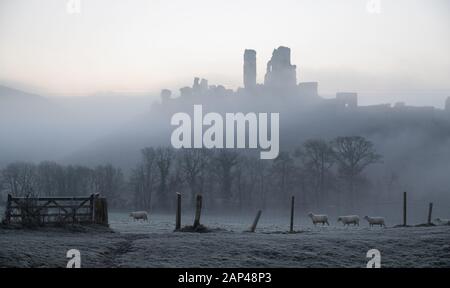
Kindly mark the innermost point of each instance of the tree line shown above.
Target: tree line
(319, 173)
(23, 179)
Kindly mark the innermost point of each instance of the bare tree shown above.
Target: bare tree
(109, 182)
(224, 162)
(251, 181)
(392, 184)
(175, 180)
(20, 179)
(50, 178)
(353, 155)
(193, 165)
(164, 157)
(318, 158)
(259, 174)
(79, 180)
(137, 184)
(283, 173)
(144, 178)
(149, 174)
(242, 185)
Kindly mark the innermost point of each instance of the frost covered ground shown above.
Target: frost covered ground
(154, 244)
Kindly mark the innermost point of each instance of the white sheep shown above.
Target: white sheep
(375, 221)
(440, 221)
(319, 219)
(139, 215)
(350, 219)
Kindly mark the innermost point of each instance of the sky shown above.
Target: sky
(140, 46)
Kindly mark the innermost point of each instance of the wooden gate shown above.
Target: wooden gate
(56, 210)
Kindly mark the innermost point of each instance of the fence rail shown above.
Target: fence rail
(57, 210)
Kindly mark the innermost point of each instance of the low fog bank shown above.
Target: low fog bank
(414, 146)
(38, 128)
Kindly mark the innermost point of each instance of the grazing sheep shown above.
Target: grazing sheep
(350, 219)
(440, 221)
(319, 219)
(139, 215)
(375, 221)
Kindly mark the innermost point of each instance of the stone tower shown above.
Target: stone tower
(280, 73)
(249, 69)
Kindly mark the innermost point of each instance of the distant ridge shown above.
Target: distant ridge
(11, 93)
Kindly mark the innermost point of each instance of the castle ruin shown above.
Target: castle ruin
(280, 73)
(280, 80)
(249, 69)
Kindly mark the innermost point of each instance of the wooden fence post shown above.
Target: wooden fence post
(91, 203)
(8, 209)
(292, 214)
(178, 215)
(404, 208)
(255, 222)
(198, 211)
(430, 211)
(101, 213)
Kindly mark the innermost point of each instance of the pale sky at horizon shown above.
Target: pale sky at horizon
(147, 45)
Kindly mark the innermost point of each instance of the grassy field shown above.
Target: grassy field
(154, 244)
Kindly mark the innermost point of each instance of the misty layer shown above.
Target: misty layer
(213, 136)
(414, 142)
